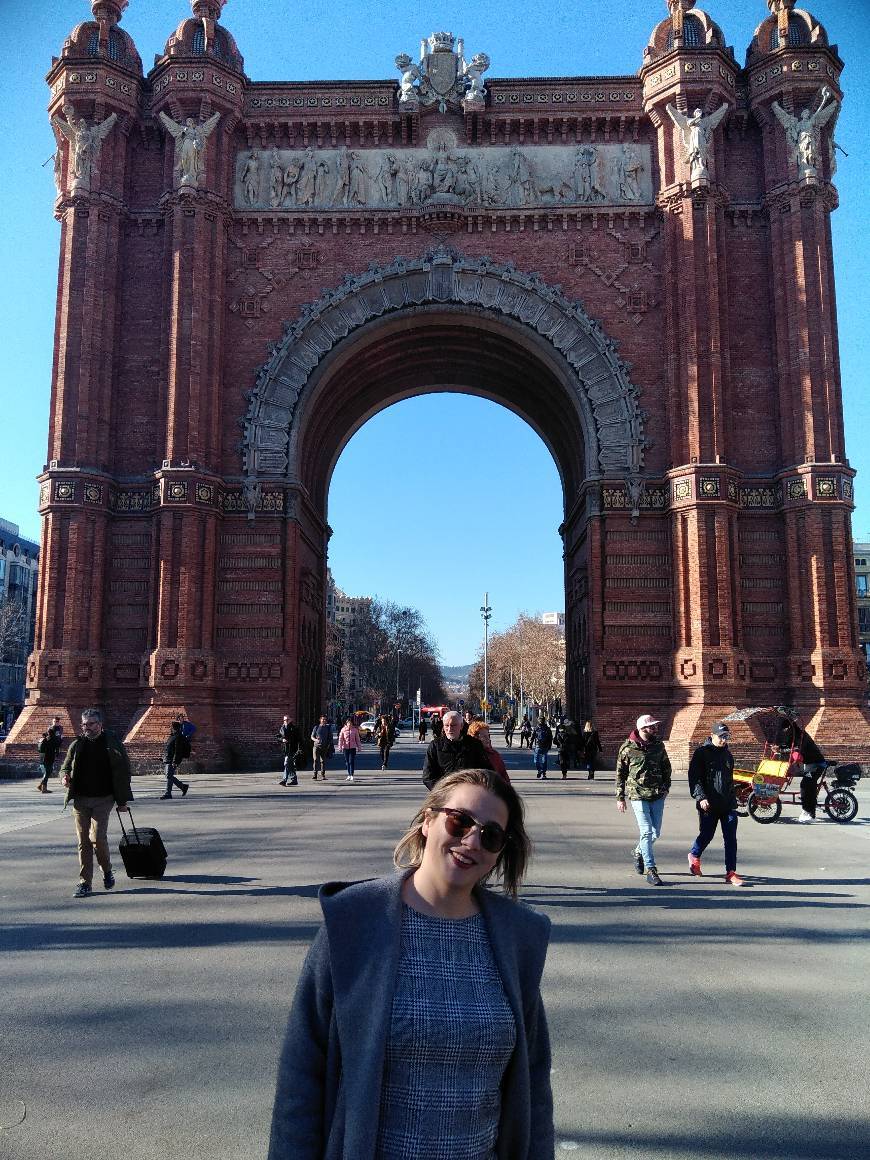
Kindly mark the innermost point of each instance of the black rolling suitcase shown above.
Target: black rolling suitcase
(143, 854)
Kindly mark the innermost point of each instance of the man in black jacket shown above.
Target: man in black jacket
(289, 737)
(452, 750)
(176, 749)
(49, 746)
(96, 773)
(711, 783)
(792, 738)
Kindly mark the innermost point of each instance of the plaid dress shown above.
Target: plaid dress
(451, 1036)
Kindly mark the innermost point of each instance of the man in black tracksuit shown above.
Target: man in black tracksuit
(289, 736)
(452, 750)
(711, 783)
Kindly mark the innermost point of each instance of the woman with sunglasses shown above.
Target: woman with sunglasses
(417, 1029)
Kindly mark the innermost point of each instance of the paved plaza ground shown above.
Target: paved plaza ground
(691, 1022)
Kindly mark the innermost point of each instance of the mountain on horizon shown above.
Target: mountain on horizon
(456, 673)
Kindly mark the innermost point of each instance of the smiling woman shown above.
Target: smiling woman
(410, 974)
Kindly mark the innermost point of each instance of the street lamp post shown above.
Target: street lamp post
(486, 613)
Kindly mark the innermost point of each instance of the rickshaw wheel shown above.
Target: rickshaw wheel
(841, 805)
(763, 810)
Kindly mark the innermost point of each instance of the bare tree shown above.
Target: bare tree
(530, 650)
(13, 630)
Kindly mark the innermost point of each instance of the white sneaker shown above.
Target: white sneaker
(805, 817)
(349, 777)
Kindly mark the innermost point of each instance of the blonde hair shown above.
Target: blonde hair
(511, 863)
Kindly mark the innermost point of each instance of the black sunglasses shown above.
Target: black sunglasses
(460, 823)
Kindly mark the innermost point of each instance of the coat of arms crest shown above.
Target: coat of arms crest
(443, 75)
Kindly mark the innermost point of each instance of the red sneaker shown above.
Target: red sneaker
(695, 865)
(734, 879)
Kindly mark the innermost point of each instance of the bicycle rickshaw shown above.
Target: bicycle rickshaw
(762, 791)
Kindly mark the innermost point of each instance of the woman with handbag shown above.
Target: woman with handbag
(386, 739)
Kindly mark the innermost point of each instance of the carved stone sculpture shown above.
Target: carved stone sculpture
(190, 141)
(85, 142)
(410, 75)
(251, 178)
(697, 134)
(509, 177)
(803, 133)
(443, 76)
(473, 73)
(276, 179)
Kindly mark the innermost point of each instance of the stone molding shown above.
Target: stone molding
(606, 397)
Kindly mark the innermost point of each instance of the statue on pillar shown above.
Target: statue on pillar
(803, 133)
(85, 142)
(697, 134)
(190, 140)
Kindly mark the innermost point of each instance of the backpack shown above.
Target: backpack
(182, 747)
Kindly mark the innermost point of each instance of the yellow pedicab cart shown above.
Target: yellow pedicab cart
(762, 789)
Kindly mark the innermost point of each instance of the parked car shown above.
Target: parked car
(367, 729)
(406, 723)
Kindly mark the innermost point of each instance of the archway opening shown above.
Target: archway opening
(433, 502)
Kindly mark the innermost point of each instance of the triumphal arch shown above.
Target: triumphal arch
(639, 266)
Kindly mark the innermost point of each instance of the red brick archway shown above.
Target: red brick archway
(667, 325)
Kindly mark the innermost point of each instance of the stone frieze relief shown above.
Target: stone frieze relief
(495, 177)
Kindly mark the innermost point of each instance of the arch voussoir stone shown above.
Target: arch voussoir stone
(599, 378)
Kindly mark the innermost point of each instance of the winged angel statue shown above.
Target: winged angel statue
(803, 133)
(85, 141)
(697, 134)
(190, 139)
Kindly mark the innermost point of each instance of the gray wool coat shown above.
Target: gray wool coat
(332, 1061)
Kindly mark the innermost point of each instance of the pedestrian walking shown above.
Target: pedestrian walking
(96, 774)
(289, 735)
(349, 743)
(49, 747)
(422, 728)
(176, 749)
(321, 735)
(452, 750)
(590, 747)
(711, 784)
(386, 736)
(643, 770)
(542, 743)
(480, 730)
(437, 726)
(797, 742)
(566, 739)
(418, 1029)
(509, 724)
(467, 717)
(526, 732)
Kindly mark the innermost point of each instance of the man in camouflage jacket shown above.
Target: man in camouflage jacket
(643, 769)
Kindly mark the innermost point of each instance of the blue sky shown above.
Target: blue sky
(492, 479)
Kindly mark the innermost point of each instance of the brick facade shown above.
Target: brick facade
(671, 336)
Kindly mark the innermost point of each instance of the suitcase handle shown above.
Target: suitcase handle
(132, 823)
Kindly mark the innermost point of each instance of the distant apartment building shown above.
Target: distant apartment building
(557, 619)
(345, 681)
(862, 582)
(19, 570)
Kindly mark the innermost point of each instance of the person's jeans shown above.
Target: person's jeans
(92, 830)
(541, 761)
(649, 823)
(289, 767)
(171, 779)
(350, 761)
(707, 828)
(385, 757)
(810, 787)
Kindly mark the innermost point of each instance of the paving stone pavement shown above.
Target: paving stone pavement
(691, 1021)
